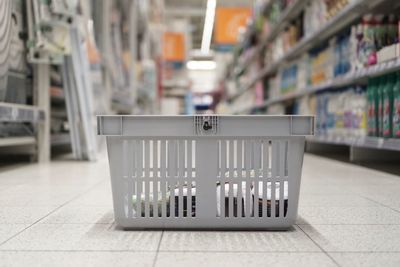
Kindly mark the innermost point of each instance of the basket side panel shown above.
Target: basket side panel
(295, 164)
(115, 152)
(205, 182)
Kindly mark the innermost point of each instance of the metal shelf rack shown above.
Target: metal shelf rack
(346, 16)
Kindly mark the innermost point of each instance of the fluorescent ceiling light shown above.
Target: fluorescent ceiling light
(201, 65)
(208, 26)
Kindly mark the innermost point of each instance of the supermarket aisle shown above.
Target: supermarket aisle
(62, 212)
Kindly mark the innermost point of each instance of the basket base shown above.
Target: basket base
(275, 224)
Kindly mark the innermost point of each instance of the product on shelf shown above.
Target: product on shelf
(321, 68)
(317, 13)
(288, 79)
(342, 55)
(274, 14)
(380, 88)
(293, 77)
(375, 39)
(273, 88)
(383, 106)
(372, 109)
(396, 107)
(342, 113)
(284, 42)
(387, 97)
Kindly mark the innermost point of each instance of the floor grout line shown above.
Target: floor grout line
(48, 214)
(158, 249)
(196, 251)
(311, 224)
(202, 251)
(320, 247)
(76, 251)
(379, 203)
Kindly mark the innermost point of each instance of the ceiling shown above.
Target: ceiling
(195, 10)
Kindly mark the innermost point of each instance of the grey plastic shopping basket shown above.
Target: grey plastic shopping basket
(202, 171)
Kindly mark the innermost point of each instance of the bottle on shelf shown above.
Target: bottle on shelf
(380, 89)
(396, 108)
(375, 94)
(388, 105)
(371, 107)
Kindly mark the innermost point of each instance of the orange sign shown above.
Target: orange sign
(174, 46)
(228, 21)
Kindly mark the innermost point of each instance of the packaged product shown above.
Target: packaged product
(396, 108)
(388, 106)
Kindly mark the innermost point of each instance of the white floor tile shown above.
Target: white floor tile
(391, 199)
(5, 187)
(23, 215)
(95, 197)
(367, 259)
(38, 195)
(69, 259)
(83, 237)
(293, 240)
(323, 189)
(335, 211)
(343, 200)
(347, 215)
(76, 214)
(355, 238)
(9, 230)
(240, 259)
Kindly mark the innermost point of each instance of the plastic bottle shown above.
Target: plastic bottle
(371, 107)
(396, 108)
(339, 114)
(362, 110)
(376, 97)
(379, 96)
(348, 100)
(387, 95)
(330, 114)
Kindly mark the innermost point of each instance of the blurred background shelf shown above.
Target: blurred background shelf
(348, 79)
(17, 141)
(10, 112)
(364, 142)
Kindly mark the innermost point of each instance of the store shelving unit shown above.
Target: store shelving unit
(241, 68)
(248, 86)
(60, 139)
(350, 13)
(20, 113)
(342, 20)
(350, 78)
(17, 141)
(290, 13)
(37, 115)
(361, 142)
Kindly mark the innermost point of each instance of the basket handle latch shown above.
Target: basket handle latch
(206, 125)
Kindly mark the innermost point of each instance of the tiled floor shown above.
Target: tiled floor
(60, 214)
